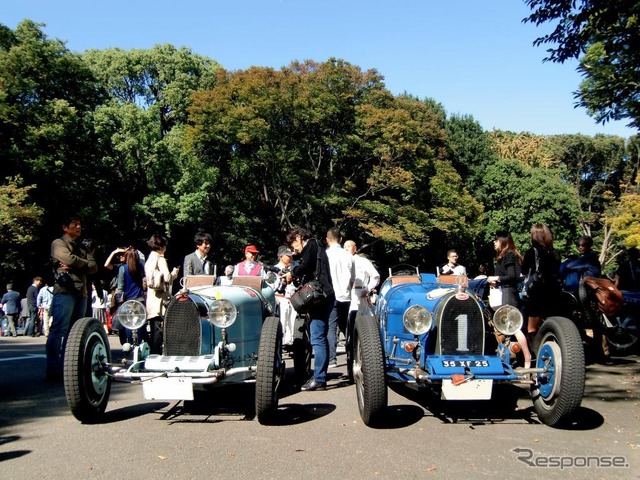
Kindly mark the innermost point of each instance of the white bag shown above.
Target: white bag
(495, 297)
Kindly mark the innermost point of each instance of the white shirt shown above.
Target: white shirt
(45, 296)
(457, 270)
(367, 278)
(343, 272)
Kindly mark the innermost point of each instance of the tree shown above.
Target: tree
(19, 222)
(605, 36)
(516, 196)
(153, 183)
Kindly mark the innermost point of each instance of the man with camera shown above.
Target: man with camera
(72, 263)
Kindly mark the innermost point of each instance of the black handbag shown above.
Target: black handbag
(534, 280)
(307, 296)
(310, 294)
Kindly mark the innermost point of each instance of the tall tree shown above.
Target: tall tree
(47, 98)
(605, 36)
(151, 185)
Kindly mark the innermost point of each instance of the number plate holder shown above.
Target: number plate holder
(479, 389)
(168, 388)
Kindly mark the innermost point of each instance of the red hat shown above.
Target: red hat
(251, 248)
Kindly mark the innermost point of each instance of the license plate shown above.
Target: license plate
(168, 388)
(465, 363)
(469, 390)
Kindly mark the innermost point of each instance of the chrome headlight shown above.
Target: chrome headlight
(417, 319)
(222, 313)
(132, 314)
(507, 320)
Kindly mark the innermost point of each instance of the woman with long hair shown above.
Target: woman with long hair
(130, 280)
(507, 268)
(545, 260)
(159, 279)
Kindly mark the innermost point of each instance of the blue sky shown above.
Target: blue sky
(475, 57)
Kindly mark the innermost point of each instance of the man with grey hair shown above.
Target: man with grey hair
(366, 280)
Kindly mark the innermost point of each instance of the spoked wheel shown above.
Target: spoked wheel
(557, 392)
(87, 384)
(625, 333)
(301, 350)
(368, 370)
(270, 369)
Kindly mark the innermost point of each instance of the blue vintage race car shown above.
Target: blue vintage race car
(213, 335)
(437, 332)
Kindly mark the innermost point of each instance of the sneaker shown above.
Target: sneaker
(333, 364)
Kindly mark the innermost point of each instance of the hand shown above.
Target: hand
(175, 271)
(493, 280)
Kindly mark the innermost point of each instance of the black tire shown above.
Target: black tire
(87, 384)
(623, 337)
(557, 393)
(368, 370)
(301, 350)
(269, 369)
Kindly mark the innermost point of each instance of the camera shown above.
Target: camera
(64, 280)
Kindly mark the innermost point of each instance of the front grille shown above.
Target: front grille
(461, 327)
(182, 328)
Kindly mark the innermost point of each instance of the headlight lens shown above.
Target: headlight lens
(417, 319)
(507, 320)
(132, 314)
(222, 313)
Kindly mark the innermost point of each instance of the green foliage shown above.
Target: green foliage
(606, 33)
(516, 197)
(19, 220)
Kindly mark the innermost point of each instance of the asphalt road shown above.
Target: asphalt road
(318, 435)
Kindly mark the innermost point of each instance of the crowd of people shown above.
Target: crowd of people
(348, 281)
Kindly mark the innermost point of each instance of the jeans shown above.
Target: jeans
(337, 320)
(318, 329)
(65, 309)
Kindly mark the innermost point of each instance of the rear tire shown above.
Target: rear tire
(368, 370)
(87, 384)
(558, 392)
(269, 370)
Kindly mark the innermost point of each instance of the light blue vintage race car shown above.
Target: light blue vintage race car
(437, 332)
(213, 335)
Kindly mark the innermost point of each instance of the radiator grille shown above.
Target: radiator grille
(461, 327)
(182, 329)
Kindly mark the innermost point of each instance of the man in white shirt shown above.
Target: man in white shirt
(452, 267)
(343, 274)
(45, 296)
(367, 278)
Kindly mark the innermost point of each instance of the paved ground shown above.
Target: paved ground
(318, 434)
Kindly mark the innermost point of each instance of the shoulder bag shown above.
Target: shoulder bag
(533, 280)
(310, 294)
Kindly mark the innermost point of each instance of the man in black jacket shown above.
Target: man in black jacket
(313, 256)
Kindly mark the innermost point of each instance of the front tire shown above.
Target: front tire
(269, 370)
(368, 370)
(557, 392)
(87, 384)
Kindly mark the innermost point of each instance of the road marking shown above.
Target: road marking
(24, 357)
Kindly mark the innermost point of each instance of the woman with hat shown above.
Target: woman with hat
(250, 265)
